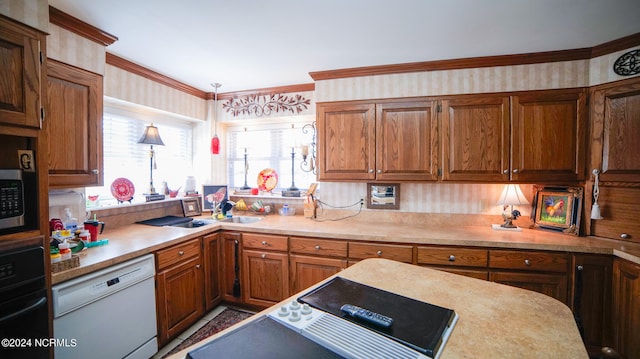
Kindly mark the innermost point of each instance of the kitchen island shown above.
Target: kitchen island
(495, 320)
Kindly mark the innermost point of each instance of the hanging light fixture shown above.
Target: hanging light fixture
(215, 141)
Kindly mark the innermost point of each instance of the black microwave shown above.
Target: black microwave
(12, 201)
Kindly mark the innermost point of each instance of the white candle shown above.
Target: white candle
(305, 150)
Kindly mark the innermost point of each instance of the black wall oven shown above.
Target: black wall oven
(24, 328)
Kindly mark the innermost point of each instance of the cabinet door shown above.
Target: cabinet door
(591, 298)
(626, 308)
(407, 141)
(475, 138)
(266, 277)
(620, 207)
(232, 267)
(346, 141)
(553, 285)
(548, 136)
(212, 285)
(74, 126)
(616, 132)
(180, 304)
(307, 271)
(20, 74)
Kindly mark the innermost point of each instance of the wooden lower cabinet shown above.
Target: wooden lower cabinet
(212, 276)
(265, 265)
(626, 308)
(543, 272)
(396, 252)
(231, 266)
(470, 262)
(179, 289)
(591, 299)
(307, 271)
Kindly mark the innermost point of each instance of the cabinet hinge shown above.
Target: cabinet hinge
(41, 113)
(41, 58)
(439, 172)
(439, 108)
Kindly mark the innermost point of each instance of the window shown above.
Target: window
(125, 157)
(268, 147)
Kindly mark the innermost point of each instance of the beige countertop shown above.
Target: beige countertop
(495, 320)
(134, 240)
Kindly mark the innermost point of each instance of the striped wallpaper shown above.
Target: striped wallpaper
(68, 47)
(34, 13)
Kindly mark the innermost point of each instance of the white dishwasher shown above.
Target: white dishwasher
(107, 314)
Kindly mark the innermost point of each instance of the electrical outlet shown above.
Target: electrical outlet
(362, 201)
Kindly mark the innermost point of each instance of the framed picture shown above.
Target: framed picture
(191, 206)
(383, 195)
(213, 194)
(558, 208)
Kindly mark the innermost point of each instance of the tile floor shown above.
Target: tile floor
(204, 320)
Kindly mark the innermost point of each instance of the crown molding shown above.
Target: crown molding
(264, 91)
(80, 27)
(134, 68)
(623, 43)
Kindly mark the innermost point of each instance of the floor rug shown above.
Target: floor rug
(225, 319)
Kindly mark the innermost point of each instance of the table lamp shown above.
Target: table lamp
(151, 136)
(511, 196)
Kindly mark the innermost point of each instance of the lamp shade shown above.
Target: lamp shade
(512, 195)
(151, 136)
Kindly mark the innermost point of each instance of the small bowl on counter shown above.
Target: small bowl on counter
(287, 211)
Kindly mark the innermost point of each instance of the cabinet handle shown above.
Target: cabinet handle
(625, 236)
(379, 171)
(264, 243)
(527, 262)
(580, 268)
(263, 255)
(506, 172)
(379, 253)
(452, 258)
(95, 171)
(317, 248)
(370, 170)
(180, 253)
(197, 266)
(515, 170)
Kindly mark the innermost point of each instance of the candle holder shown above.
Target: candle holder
(309, 151)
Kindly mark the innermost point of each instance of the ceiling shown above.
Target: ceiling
(253, 44)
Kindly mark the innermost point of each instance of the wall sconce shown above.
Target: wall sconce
(309, 151)
(151, 136)
(595, 207)
(215, 141)
(511, 196)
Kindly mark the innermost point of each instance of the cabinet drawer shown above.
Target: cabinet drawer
(620, 209)
(322, 247)
(465, 257)
(389, 251)
(531, 261)
(264, 241)
(177, 253)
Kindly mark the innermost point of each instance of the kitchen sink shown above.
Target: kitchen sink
(241, 219)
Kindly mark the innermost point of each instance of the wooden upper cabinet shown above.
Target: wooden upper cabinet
(20, 74)
(74, 126)
(407, 141)
(615, 131)
(548, 132)
(346, 141)
(378, 141)
(475, 138)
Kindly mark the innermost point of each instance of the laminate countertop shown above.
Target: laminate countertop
(495, 320)
(130, 241)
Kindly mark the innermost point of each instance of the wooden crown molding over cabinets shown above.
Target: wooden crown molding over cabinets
(486, 61)
(80, 27)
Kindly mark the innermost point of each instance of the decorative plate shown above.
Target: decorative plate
(628, 64)
(122, 189)
(267, 179)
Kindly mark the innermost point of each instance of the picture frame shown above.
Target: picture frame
(191, 206)
(212, 195)
(383, 196)
(557, 208)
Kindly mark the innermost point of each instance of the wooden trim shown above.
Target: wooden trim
(456, 64)
(626, 42)
(80, 27)
(134, 68)
(264, 91)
